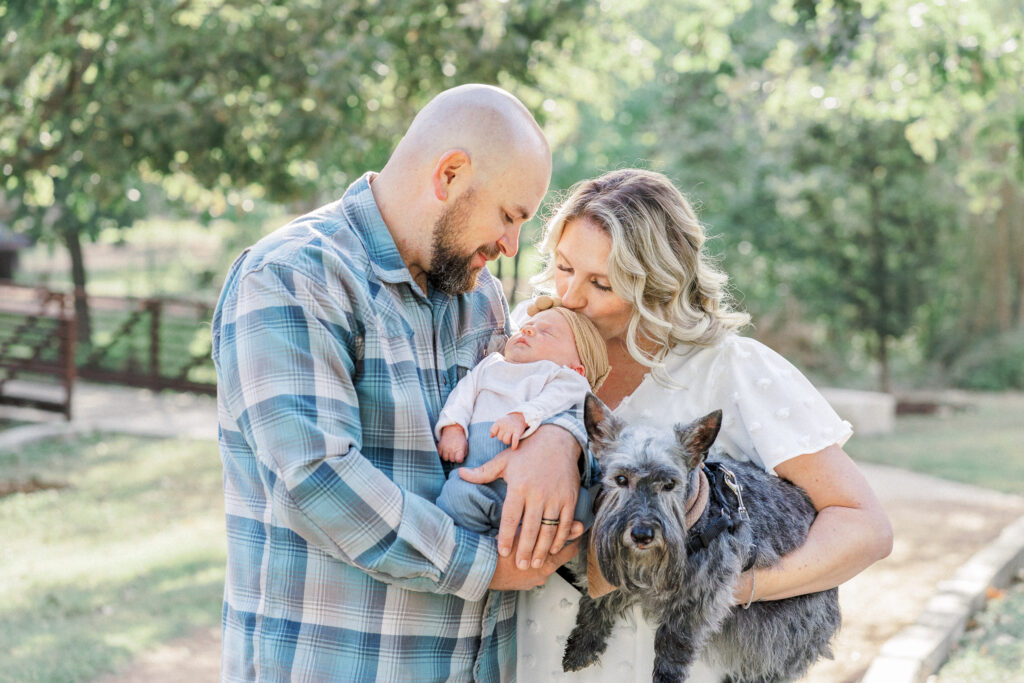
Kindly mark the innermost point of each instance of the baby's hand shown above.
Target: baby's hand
(453, 444)
(509, 429)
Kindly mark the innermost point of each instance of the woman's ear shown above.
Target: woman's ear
(579, 368)
(453, 167)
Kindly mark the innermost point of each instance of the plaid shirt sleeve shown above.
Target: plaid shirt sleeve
(292, 394)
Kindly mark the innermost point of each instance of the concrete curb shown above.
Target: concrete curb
(920, 649)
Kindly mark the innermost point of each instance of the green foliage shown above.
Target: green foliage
(862, 157)
(865, 220)
(835, 148)
(220, 104)
(993, 364)
(219, 101)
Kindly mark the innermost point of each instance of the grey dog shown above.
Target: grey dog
(682, 577)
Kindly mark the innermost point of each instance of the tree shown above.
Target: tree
(867, 220)
(940, 81)
(841, 149)
(215, 102)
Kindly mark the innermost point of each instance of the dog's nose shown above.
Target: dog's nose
(642, 535)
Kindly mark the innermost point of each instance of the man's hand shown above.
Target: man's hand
(543, 482)
(507, 577)
(453, 445)
(509, 429)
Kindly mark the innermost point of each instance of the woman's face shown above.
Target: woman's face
(581, 277)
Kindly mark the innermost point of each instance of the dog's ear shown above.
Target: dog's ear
(602, 426)
(695, 439)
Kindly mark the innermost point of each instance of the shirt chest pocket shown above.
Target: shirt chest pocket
(472, 346)
(396, 336)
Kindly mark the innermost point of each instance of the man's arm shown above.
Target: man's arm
(286, 369)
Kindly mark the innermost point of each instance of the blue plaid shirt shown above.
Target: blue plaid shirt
(332, 367)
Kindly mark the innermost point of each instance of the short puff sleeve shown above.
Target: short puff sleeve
(776, 413)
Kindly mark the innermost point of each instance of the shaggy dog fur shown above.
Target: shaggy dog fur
(641, 545)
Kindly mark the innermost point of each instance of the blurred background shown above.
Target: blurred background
(858, 162)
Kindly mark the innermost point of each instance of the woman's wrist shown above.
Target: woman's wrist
(743, 592)
(753, 589)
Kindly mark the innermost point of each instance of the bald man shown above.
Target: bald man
(337, 340)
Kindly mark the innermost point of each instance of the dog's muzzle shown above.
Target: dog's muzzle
(643, 535)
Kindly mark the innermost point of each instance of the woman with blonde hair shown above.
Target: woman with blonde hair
(627, 250)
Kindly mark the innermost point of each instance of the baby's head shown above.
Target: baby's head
(563, 336)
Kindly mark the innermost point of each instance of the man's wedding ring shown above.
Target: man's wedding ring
(549, 522)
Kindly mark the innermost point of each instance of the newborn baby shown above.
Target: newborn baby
(547, 368)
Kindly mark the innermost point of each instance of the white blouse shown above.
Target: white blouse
(770, 413)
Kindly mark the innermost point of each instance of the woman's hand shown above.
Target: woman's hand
(850, 533)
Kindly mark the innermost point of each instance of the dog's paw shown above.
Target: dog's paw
(669, 675)
(581, 651)
(665, 673)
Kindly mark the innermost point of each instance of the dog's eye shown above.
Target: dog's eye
(621, 480)
(668, 486)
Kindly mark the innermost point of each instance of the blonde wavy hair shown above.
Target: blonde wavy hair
(657, 263)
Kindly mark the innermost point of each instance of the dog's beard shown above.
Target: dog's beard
(656, 568)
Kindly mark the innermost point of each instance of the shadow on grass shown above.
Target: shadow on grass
(75, 633)
(980, 446)
(62, 456)
(130, 556)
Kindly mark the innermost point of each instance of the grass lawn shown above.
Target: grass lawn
(992, 651)
(983, 445)
(129, 555)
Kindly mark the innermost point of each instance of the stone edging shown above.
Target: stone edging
(920, 649)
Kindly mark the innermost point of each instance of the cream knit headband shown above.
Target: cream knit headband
(589, 344)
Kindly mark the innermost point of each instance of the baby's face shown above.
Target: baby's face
(545, 336)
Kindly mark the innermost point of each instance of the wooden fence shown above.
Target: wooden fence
(153, 343)
(156, 343)
(37, 350)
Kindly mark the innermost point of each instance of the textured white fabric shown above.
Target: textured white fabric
(495, 387)
(771, 413)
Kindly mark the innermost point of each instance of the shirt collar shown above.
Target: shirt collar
(368, 225)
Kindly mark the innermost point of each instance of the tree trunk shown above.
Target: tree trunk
(880, 284)
(82, 320)
(883, 364)
(1013, 205)
(999, 265)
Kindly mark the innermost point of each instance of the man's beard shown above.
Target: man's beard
(451, 270)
